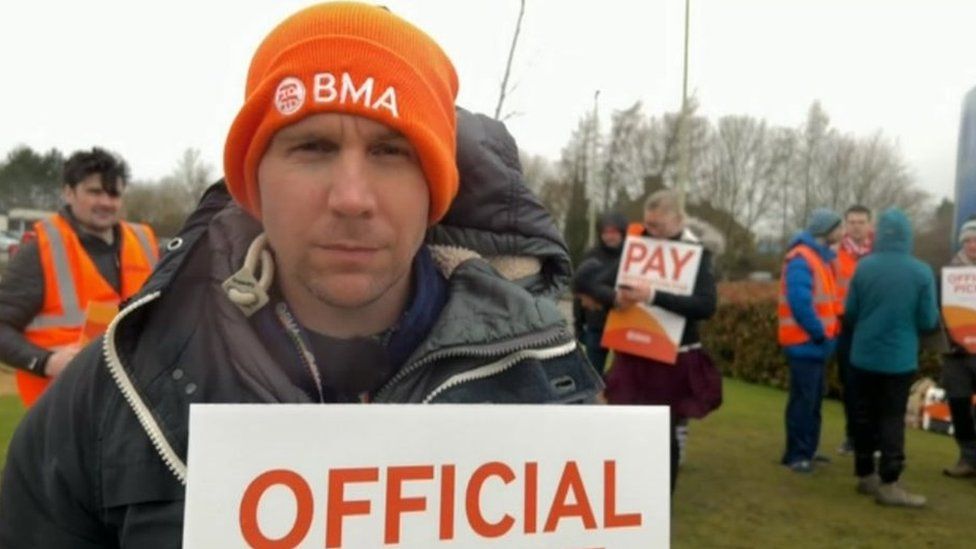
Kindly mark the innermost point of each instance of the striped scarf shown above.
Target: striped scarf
(855, 249)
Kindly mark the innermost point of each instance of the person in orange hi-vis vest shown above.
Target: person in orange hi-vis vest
(82, 255)
(809, 323)
(857, 242)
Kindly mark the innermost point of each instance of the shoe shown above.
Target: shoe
(962, 469)
(868, 484)
(802, 466)
(846, 448)
(821, 458)
(893, 495)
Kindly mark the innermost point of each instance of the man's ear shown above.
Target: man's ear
(66, 192)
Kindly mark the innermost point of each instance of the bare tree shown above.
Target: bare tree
(536, 170)
(192, 174)
(503, 91)
(742, 164)
(622, 166)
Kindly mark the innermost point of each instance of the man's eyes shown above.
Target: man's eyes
(391, 149)
(378, 149)
(315, 146)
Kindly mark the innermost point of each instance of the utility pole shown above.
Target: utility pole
(684, 132)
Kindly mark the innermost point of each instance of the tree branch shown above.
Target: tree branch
(508, 66)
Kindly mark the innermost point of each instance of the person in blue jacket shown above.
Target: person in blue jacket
(808, 327)
(892, 300)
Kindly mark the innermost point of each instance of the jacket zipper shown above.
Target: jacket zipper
(143, 414)
(306, 356)
(508, 351)
(497, 367)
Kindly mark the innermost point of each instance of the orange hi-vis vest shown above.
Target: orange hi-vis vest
(825, 302)
(635, 229)
(71, 281)
(844, 265)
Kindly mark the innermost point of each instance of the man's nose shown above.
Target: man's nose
(351, 193)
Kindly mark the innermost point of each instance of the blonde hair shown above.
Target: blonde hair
(666, 199)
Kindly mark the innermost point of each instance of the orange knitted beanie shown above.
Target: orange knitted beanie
(350, 58)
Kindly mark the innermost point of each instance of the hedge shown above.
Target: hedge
(741, 338)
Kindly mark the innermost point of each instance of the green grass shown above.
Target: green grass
(11, 411)
(732, 492)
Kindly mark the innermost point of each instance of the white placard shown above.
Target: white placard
(417, 476)
(959, 305)
(646, 330)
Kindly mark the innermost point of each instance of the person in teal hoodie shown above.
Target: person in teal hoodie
(892, 300)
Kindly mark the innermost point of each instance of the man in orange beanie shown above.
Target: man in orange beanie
(372, 244)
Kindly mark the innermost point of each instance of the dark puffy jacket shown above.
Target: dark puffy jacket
(596, 275)
(100, 460)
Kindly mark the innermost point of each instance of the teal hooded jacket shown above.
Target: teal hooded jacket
(892, 300)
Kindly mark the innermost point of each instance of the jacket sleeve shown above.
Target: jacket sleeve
(49, 481)
(588, 281)
(701, 304)
(799, 296)
(21, 299)
(928, 308)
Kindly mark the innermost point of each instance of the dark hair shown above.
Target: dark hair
(858, 209)
(83, 164)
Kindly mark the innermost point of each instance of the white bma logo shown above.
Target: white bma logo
(290, 96)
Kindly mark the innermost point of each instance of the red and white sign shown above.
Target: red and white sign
(959, 305)
(274, 476)
(645, 330)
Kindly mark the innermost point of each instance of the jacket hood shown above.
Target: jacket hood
(611, 219)
(495, 214)
(894, 232)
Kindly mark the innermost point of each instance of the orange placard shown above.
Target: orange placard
(636, 331)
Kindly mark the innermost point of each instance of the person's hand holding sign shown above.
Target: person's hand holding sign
(634, 292)
(589, 303)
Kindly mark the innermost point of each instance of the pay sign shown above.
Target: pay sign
(277, 476)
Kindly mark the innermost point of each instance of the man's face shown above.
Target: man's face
(969, 247)
(858, 225)
(344, 204)
(836, 235)
(662, 222)
(611, 236)
(95, 209)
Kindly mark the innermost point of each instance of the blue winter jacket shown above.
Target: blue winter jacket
(799, 296)
(892, 299)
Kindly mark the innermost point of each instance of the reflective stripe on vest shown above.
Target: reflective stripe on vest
(71, 313)
(825, 303)
(145, 241)
(844, 266)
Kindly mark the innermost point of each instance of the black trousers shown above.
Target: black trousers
(879, 421)
(959, 380)
(843, 354)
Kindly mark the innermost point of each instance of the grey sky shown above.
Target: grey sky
(149, 79)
